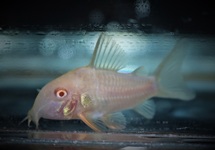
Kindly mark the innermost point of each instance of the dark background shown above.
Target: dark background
(190, 16)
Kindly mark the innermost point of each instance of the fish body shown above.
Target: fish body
(97, 94)
(110, 91)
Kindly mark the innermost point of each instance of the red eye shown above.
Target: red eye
(60, 93)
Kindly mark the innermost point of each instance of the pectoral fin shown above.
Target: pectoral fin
(98, 122)
(93, 121)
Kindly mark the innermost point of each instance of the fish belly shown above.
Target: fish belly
(116, 91)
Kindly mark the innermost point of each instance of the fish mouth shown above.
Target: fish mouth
(34, 115)
(67, 108)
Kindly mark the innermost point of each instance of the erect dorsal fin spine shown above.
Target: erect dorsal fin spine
(107, 54)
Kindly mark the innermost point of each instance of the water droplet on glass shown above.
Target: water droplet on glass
(47, 47)
(5, 44)
(66, 51)
(96, 17)
(142, 8)
(113, 26)
(50, 43)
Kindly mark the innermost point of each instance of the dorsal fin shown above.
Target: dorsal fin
(107, 54)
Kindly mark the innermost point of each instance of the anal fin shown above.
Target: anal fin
(115, 121)
(146, 109)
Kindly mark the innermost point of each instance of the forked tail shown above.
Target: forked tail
(168, 74)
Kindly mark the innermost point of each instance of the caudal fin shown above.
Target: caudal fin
(169, 77)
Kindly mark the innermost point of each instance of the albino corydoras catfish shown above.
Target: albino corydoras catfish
(97, 93)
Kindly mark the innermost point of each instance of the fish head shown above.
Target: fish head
(56, 100)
